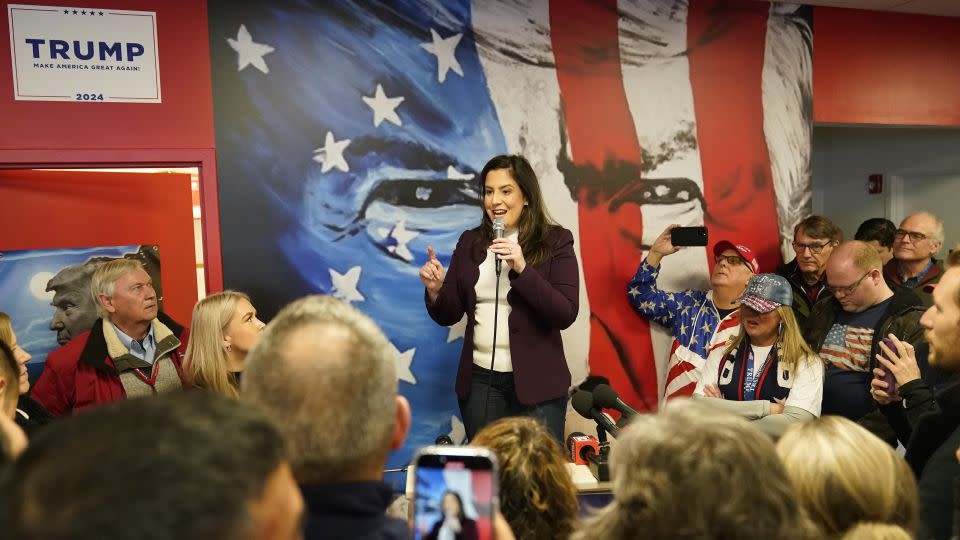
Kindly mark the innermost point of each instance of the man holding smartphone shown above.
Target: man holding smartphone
(934, 422)
(698, 320)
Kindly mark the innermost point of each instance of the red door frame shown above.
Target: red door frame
(203, 159)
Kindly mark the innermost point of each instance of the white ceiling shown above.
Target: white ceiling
(948, 8)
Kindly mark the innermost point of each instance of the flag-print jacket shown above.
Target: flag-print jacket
(690, 315)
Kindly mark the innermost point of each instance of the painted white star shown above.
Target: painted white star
(458, 433)
(457, 330)
(384, 108)
(403, 361)
(249, 52)
(454, 174)
(445, 51)
(331, 154)
(345, 285)
(402, 236)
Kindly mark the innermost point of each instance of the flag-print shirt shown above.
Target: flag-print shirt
(694, 321)
(846, 352)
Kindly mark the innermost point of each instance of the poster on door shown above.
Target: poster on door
(84, 54)
(46, 292)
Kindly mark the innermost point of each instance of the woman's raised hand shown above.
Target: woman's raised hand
(431, 274)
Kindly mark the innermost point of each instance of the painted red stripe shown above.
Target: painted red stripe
(584, 34)
(726, 41)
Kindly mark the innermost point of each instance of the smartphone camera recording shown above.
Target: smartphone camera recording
(455, 493)
(688, 236)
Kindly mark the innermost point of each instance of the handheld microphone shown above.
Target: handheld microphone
(581, 448)
(607, 398)
(498, 230)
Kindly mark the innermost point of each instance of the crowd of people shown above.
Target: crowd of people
(803, 382)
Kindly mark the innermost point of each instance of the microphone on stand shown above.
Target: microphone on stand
(582, 402)
(498, 230)
(607, 398)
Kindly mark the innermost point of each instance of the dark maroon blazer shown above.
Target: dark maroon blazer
(544, 299)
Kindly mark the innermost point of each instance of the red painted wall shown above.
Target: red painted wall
(122, 209)
(178, 131)
(873, 67)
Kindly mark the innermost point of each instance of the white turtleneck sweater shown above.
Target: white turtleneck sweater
(483, 331)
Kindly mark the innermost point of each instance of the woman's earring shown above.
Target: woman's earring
(229, 348)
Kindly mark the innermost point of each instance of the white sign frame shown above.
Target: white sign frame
(82, 54)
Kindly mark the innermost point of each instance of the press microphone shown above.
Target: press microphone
(607, 398)
(582, 402)
(581, 447)
(498, 230)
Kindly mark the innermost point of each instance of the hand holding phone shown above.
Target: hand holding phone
(456, 493)
(888, 376)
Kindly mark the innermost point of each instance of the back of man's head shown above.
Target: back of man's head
(326, 374)
(880, 230)
(662, 462)
(186, 466)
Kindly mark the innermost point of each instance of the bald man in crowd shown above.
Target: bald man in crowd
(915, 243)
(846, 330)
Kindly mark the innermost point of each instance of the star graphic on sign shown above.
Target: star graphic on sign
(456, 330)
(402, 237)
(404, 359)
(249, 52)
(384, 108)
(331, 154)
(458, 432)
(345, 285)
(445, 51)
(633, 292)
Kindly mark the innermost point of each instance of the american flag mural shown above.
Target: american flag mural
(350, 134)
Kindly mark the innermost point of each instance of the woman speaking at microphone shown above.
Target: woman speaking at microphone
(512, 362)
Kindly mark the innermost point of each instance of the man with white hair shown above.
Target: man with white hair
(132, 350)
(915, 243)
(326, 375)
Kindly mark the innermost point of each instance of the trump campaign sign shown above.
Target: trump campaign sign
(84, 54)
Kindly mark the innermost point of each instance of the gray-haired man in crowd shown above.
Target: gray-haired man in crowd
(326, 375)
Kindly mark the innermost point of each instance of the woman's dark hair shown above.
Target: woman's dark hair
(460, 514)
(534, 221)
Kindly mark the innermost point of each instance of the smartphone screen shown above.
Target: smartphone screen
(455, 493)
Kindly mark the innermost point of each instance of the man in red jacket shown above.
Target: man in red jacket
(132, 350)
